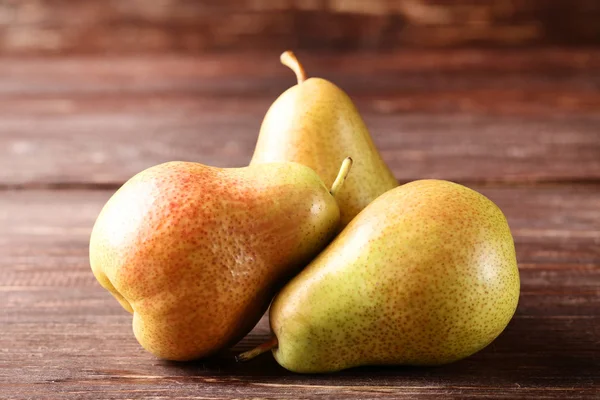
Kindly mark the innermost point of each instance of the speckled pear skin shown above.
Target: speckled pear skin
(425, 275)
(196, 253)
(316, 124)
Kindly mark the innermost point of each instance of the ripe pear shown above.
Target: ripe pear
(425, 275)
(196, 253)
(316, 124)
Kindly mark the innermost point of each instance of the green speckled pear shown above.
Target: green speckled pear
(425, 275)
(196, 253)
(316, 124)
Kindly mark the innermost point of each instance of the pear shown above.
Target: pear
(425, 275)
(196, 253)
(316, 124)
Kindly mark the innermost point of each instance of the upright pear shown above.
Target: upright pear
(316, 124)
(425, 275)
(196, 253)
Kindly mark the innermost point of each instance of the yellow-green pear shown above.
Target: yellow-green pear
(425, 275)
(316, 124)
(196, 253)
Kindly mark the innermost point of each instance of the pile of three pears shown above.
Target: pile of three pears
(421, 274)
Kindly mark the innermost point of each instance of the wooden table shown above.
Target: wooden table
(521, 126)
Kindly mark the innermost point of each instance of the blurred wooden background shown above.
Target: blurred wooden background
(141, 26)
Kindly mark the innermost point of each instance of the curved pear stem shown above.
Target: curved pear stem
(263, 348)
(288, 58)
(341, 177)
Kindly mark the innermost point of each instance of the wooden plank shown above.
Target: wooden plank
(62, 336)
(258, 73)
(90, 120)
(103, 143)
(93, 353)
(552, 224)
(134, 26)
(500, 116)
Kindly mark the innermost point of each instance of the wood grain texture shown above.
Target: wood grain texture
(137, 26)
(65, 337)
(521, 126)
(513, 116)
(574, 70)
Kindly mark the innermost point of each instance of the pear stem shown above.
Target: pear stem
(341, 177)
(288, 58)
(263, 348)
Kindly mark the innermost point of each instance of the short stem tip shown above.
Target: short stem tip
(263, 348)
(288, 58)
(341, 177)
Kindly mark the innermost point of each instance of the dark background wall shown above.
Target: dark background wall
(151, 26)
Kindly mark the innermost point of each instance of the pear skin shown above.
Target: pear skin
(316, 124)
(196, 253)
(425, 275)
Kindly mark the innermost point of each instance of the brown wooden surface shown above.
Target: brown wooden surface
(522, 128)
(513, 116)
(196, 26)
